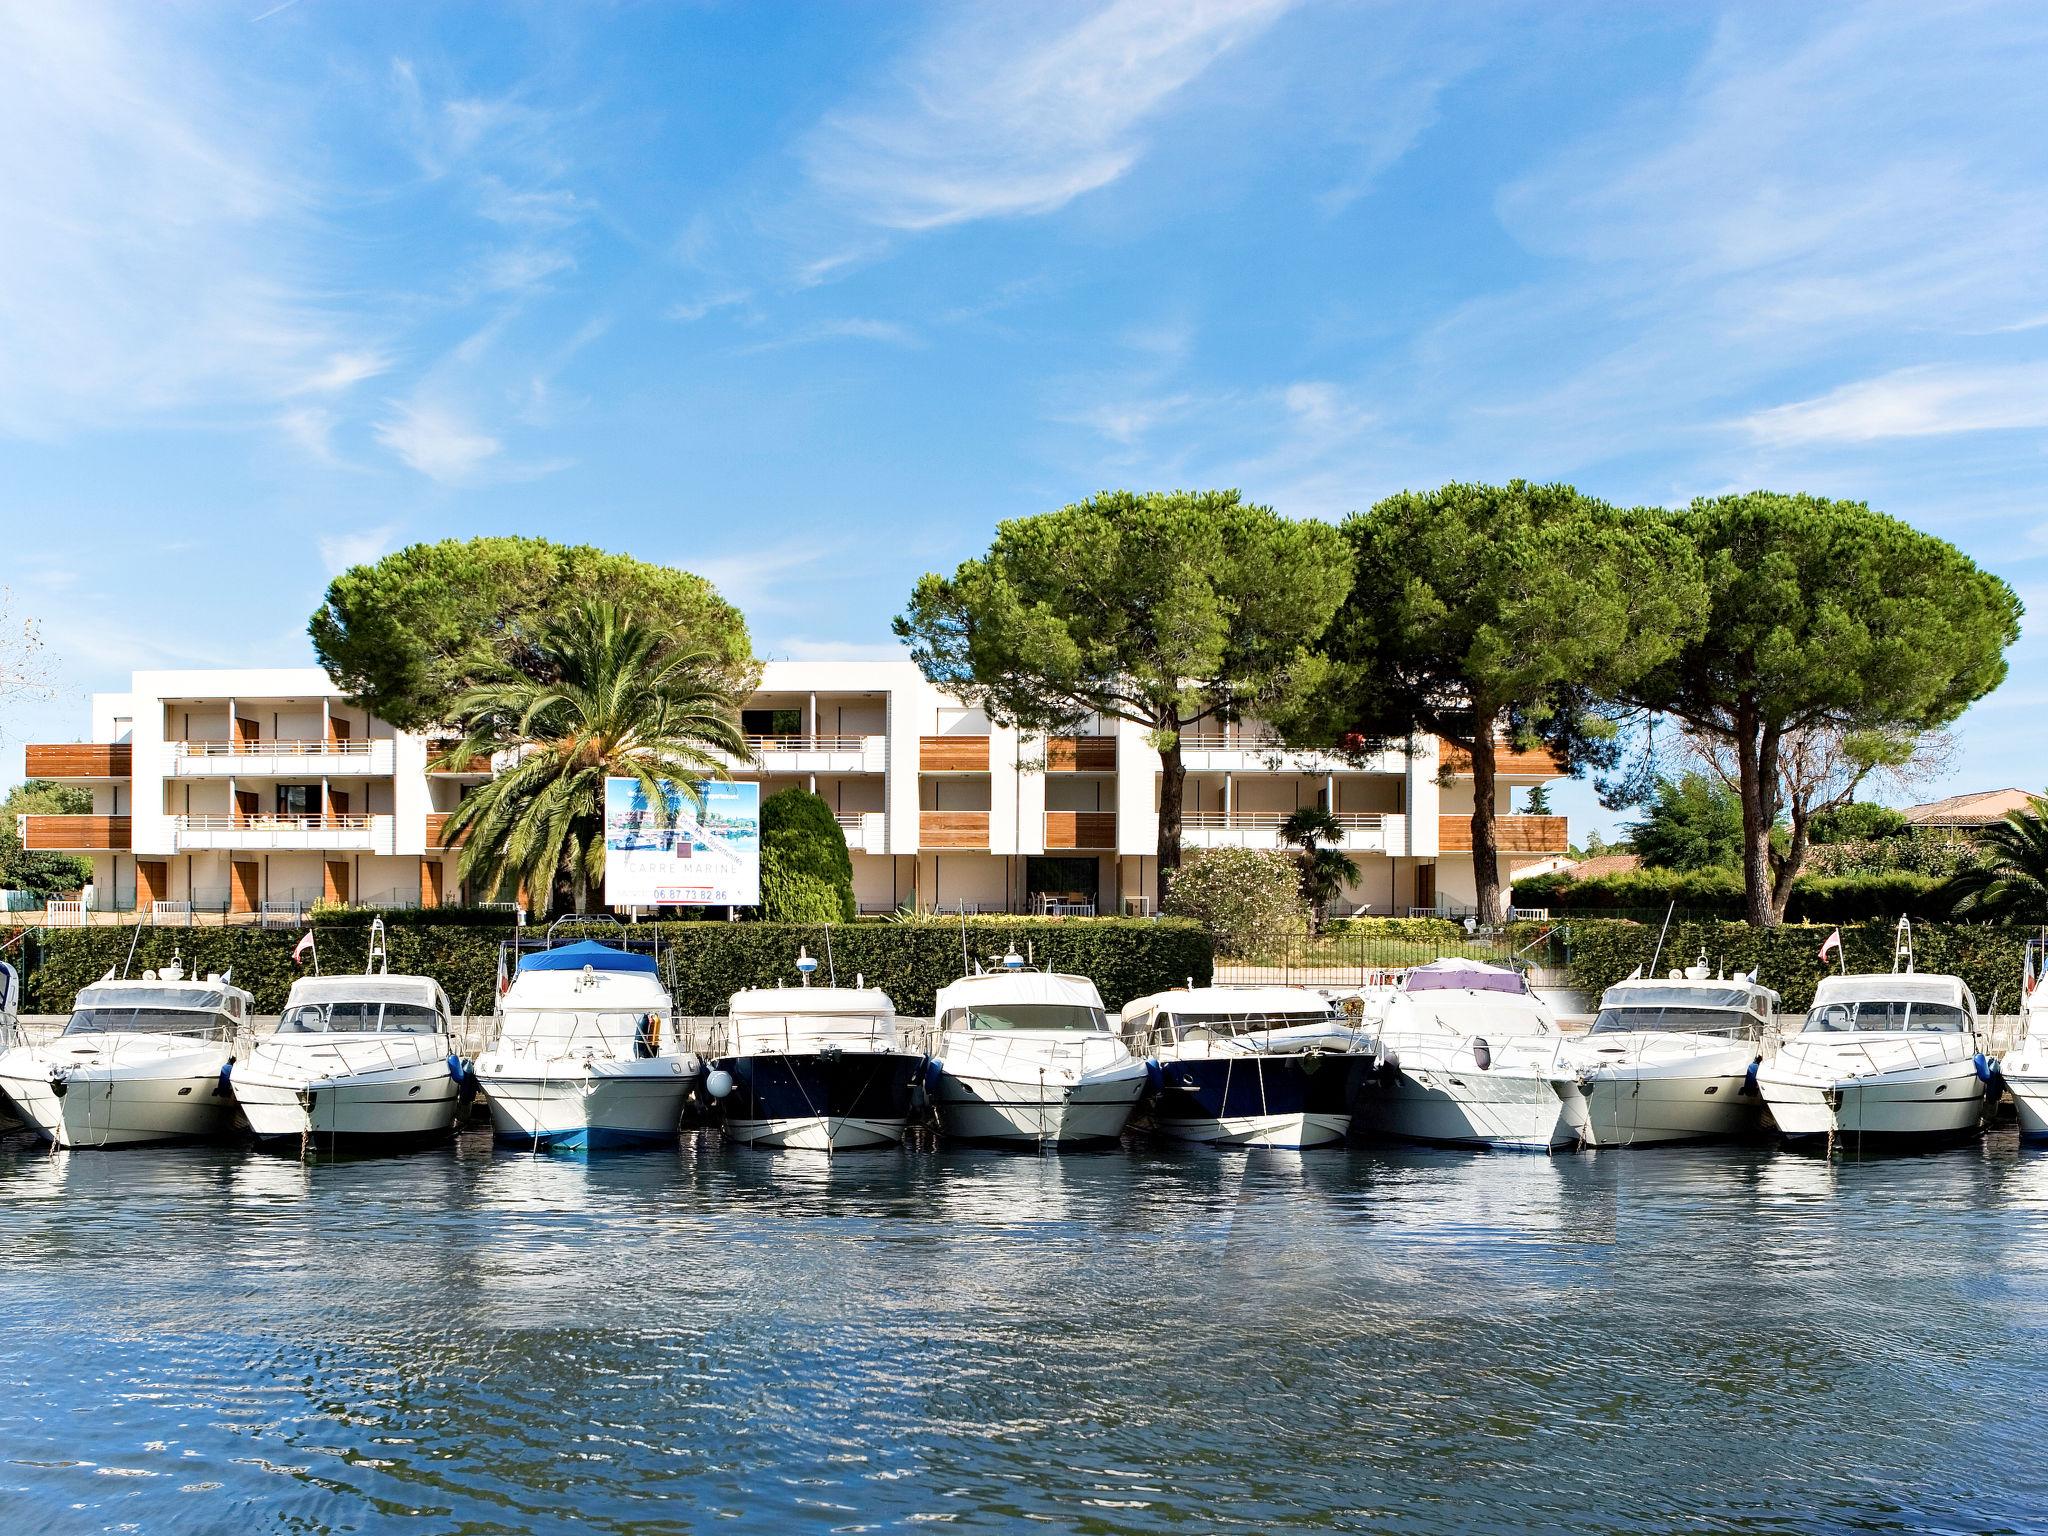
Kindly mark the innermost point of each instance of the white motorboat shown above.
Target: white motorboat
(818, 1068)
(354, 1059)
(586, 1053)
(1886, 1056)
(10, 1037)
(1669, 1060)
(1465, 1055)
(1248, 1066)
(2025, 1067)
(1028, 1058)
(138, 1061)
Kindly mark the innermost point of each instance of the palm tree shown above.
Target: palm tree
(1325, 871)
(614, 698)
(2009, 881)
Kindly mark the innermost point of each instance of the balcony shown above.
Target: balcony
(1250, 751)
(1508, 761)
(952, 754)
(437, 830)
(442, 763)
(820, 754)
(1513, 834)
(340, 834)
(1364, 832)
(1080, 754)
(953, 829)
(1079, 829)
(83, 760)
(367, 759)
(73, 834)
(866, 831)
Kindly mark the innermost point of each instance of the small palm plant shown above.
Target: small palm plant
(2009, 881)
(1325, 871)
(613, 698)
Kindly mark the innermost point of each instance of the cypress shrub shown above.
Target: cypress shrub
(806, 872)
(705, 962)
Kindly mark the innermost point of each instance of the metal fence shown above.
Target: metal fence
(1345, 959)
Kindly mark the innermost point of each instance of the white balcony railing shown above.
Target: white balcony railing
(369, 758)
(1251, 751)
(866, 831)
(358, 834)
(1363, 831)
(819, 754)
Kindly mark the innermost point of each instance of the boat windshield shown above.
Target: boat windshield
(1242, 1023)
(1072, 1016)
(1670, 1018)
(1885, 1014)
(129, 1019)
(364, 1018)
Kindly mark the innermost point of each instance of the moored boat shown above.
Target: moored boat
(1465, 1055)
(816, 1068)
(1669, 1060)
(2025, 1067)
(1886, 1057)
(138, 1061)
(586, 1054)
(1027, 1058)
(354, 1060)
(1248, 1066)
(10, 1037)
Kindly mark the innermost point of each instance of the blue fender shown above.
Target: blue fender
(1987, 1069)
(223, 1089)
(1749, 1077)
(934, 1071)
(1155, 1075)
(456, 1071)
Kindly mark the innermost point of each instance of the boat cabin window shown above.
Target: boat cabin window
(129, 1019)
(360, 1018)
(1673, 1018)
(1241, 1023)
(1887, 1014)
(1073, 1016)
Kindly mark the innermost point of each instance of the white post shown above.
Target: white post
(1226, 797)
(814, 726)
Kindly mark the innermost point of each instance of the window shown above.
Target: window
(1035, 1016)
(1887, 1015)
(360, 1018)
(298, 799)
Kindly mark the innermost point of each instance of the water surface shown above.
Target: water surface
(1715, 1339)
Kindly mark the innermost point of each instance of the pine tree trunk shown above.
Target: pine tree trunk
(1485, 831)
(1756, 822)
(1173, 779)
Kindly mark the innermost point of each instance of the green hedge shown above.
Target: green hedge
(1599, 952)
(1837, 899)
(707, 962)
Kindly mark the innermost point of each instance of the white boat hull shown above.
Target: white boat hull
(1036, 1111)
(590, 1105)
(1465, 1106)
(1621, 1109)
(1927, 1103)
(124, 1107)
(394, 1103)
(1281, 1131)
(2030, 1103)
(818, 1133)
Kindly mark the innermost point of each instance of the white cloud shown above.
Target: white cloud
(696, 309)
(760, 580)
(339, 551)
(1912, 402)
(311, 429)
(437, 441)
(998, 117)
(342, 371)
(846, 328)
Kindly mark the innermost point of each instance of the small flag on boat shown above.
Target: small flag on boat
(303, 949)
(1832, 945)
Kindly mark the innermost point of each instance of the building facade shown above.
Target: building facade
(235, 790)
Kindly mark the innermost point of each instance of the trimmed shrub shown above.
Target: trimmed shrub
(1845, 898)
(806, 872)
(1242, 897)
(705, 963)
(1598, 953)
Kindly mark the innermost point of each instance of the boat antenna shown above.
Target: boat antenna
(377, 962)
(966, 965)
(131, 951)
(1902, 946)
(831, 970)
(1659, 950)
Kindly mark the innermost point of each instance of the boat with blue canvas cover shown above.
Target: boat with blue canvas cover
(586, 1054)
(1248, 1066)
(815, 1068)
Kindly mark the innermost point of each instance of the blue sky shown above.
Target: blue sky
(808, 297)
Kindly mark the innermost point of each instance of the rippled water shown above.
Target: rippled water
(1729, 1339)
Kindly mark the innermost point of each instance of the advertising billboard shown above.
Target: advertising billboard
(708, 856)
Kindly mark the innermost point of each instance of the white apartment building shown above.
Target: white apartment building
(233, 789)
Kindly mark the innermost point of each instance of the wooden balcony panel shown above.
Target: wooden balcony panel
(1080, 754)
(75, 834)
(952, 754)
(1506, 759)
(952, 829)
(79, 760)
(1512, 834)
(437, 829)
(1080, 829)
(441, 758)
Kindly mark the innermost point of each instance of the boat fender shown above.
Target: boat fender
(1155, 1076)
(719, 1083)
(1482, 1053)
(59, 1084)
(1387, 1064)
(456, 1073)
(934, 1074)
(1987, 1069)
(1749, 1077)
(220, 1085)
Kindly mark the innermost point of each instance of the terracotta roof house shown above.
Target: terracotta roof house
(1606, 864)
(1985, 808)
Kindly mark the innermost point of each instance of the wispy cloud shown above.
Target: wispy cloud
(339, 551)
(844, 328)
(765, 580)
(690, 310)
(342, 371)
(1912, 402)
(998, 116)
(438, 441)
